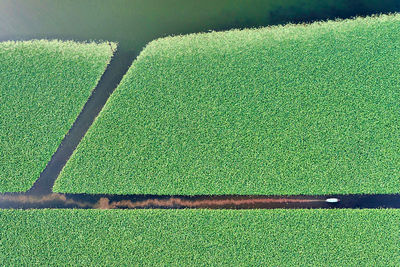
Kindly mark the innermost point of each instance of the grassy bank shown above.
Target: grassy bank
(200, 237)
(296, 109)
(43, 87)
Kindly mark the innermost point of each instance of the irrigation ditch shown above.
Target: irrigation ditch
(107, 201)
(34, 20)
(113, 74)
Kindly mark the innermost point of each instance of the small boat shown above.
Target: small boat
(332, 200)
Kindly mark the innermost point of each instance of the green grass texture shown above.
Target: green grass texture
(200, 237)
(43, 87)
(295, 109)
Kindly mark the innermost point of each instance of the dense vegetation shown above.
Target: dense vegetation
(43, 87)
(200, 237)
(296, 109)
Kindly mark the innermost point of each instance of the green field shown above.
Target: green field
(43, 87)
(295, 109)
(200, 237)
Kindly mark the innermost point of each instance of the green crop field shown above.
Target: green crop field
(200, 237)
(43, 87)
(295, 109)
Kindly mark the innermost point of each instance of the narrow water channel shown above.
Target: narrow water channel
(133, 24)
(118, 66)
(105, 201)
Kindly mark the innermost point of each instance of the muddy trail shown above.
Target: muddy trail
(104, 201)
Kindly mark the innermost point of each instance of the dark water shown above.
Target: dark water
(133, 24)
